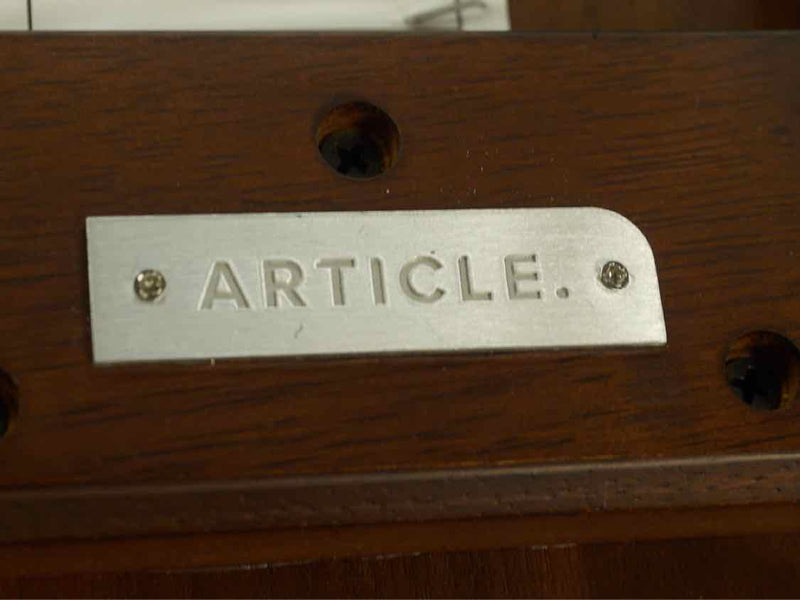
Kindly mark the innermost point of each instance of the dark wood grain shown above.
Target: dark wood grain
(693, 137)
(757, 567)
(279, 546)
(240, 505)
(653, 15)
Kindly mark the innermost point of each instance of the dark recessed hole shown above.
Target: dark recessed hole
(358, 140)
(763, 369)
(9, 395)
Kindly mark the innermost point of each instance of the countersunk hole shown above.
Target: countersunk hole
(358, 140)
(763, 369)
(562, 293)
(9, 397)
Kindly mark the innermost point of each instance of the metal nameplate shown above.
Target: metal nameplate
(256, 285)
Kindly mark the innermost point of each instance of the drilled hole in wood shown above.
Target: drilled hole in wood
(9, 397)
(358, 140)
(763, 369)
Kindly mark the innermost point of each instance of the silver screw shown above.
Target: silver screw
(149, 285)
(615, 275)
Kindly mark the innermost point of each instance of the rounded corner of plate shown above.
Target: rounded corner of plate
(628, 224)
(663, 338)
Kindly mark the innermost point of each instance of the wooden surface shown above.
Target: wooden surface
(753, 567)
(734, 567)
(653, 15)
(691, 137)
(281, 503)
(297, 545)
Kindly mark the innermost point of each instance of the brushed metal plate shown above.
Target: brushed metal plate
(260, 285)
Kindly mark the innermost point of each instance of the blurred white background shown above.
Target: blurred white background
(255, 15)
(13, 14)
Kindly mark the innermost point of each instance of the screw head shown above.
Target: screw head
(615, 275)
(149, 285)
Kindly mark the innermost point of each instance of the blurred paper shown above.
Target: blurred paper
(268, 15)
(13, 15)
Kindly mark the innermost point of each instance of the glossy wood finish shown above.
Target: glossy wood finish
(756, 567)
(295, 545)
(692, 137)
(278, 503)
